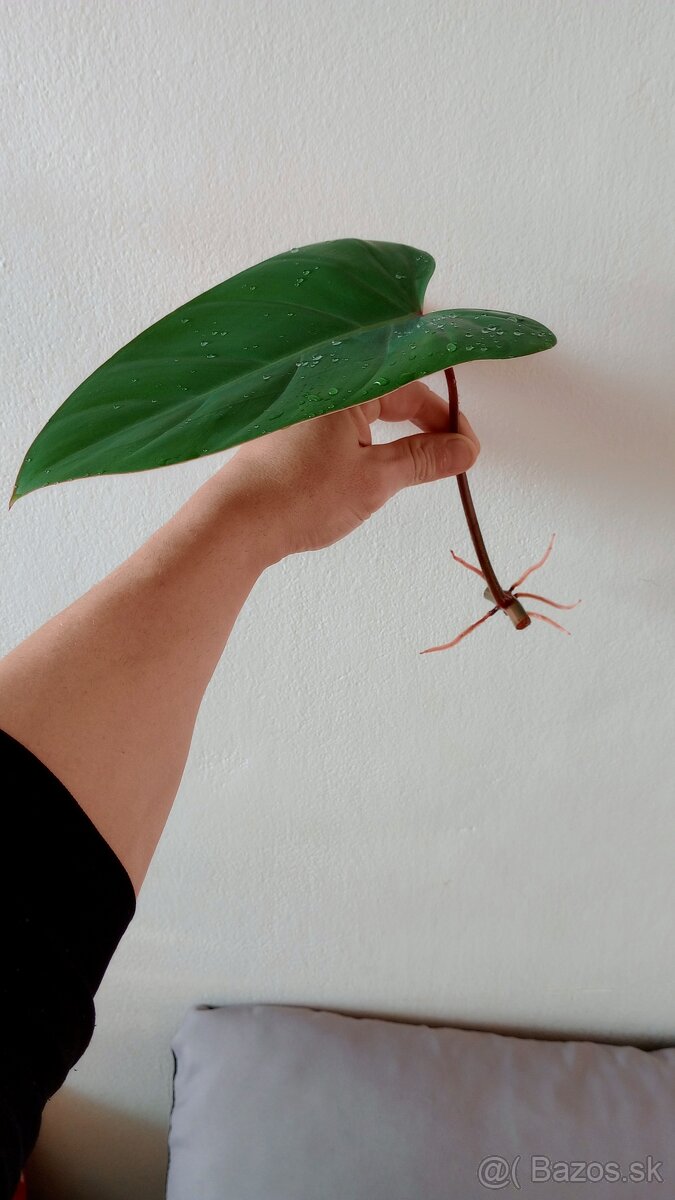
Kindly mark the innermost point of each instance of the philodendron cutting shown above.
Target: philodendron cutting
(311, 330)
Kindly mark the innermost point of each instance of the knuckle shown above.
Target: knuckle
(423, 460)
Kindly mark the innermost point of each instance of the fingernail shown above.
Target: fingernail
(461, 453)
(469, 430)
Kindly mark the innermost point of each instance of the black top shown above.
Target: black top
(65, 901)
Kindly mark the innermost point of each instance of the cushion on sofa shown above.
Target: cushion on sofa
(280, 1103)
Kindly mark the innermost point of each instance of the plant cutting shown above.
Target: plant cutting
(314, 329)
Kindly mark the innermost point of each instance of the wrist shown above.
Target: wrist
(241, 505)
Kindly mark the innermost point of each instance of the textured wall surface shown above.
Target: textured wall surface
(483, 836)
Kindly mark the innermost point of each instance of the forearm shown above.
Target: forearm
(106, 693)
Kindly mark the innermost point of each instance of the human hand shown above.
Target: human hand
(322, 478)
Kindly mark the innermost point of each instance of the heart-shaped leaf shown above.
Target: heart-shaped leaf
(315, 329)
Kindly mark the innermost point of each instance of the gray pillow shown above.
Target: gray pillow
(279, 1103)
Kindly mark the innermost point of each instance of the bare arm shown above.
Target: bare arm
(106, 693)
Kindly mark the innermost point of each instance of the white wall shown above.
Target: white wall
(482, 836)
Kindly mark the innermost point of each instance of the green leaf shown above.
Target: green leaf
(311, 330)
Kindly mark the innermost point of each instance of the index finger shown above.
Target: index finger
(418, 403)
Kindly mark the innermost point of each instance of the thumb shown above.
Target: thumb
(424, 458)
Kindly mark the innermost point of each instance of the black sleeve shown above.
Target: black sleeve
(65, 901)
